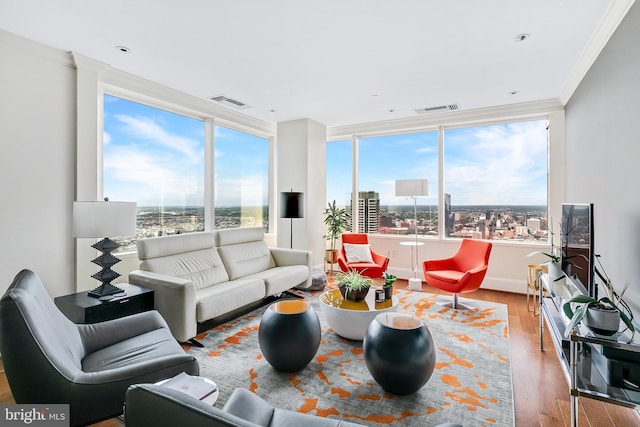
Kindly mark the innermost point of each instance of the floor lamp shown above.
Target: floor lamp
(413, 188)
(291, 206)
(99, 220)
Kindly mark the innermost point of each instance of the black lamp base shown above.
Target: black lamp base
(106, 274)
(104, 290)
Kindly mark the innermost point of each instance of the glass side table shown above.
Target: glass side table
(605, 369)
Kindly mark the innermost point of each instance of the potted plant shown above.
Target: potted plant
(337, 221)
(554, 268)
(353, 286)
(389, 279)
(602, 316)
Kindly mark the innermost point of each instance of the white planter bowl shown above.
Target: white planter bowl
(602, 322)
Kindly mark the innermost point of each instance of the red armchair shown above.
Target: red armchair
(462, 273)
(374, 265)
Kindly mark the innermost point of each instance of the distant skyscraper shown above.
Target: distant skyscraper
(533, 224)
(450, 218)
(368, 212)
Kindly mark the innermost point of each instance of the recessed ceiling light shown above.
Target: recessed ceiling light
(521, 37)
(123, 49)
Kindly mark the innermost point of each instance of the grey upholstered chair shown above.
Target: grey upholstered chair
(48, 359)
(158, 406)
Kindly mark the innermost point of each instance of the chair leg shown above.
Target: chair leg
(455, 303)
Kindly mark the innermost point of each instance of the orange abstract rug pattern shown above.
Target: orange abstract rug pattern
(471, 383)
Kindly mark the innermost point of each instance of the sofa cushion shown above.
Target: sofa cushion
(163, 246)
(222, 298)
(243, 259)
(203, 267)
(233, 236)
(280, 279)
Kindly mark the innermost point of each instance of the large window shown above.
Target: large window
(339, 172)
(155, 158)
(241, 179)
(382, 161)
(495, 181)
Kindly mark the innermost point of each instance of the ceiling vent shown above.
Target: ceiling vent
(229, 102)
(440, 109)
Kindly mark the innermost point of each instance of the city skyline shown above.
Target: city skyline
(156, 157)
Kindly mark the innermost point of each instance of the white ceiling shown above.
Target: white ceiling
(334, 61)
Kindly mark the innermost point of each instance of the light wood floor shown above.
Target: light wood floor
(541, 396)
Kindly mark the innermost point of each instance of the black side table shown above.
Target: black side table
(81, 308)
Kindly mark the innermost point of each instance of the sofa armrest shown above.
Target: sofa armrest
(100, 335)
(175, 299)
(283, 256)
(158, 406)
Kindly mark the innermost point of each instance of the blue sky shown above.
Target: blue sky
(157, 157)
(152, 156)
(499, 164)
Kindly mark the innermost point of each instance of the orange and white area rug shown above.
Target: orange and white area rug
(471, 383)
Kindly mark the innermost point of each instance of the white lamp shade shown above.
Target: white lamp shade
(104, 219)
(412, 187)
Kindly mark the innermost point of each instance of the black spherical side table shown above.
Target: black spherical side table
(399, 352)
(289, 335)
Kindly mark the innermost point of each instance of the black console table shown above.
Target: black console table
(81, 308)
(603, 369)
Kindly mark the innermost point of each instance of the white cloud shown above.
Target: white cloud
(146, 129)
(135, 175)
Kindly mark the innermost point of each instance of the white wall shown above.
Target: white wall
(37, 170)
(301, 166)
(603, 151)
(38, 102)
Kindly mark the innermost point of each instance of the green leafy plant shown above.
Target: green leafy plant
(337, 221)
(389, 280)
(353, 281)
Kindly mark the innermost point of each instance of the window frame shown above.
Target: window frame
(211, 120)
(456, 121)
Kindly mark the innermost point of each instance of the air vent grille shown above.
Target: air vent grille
(229, 102)
(439, 109)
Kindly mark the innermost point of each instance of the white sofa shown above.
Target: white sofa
(201, 276)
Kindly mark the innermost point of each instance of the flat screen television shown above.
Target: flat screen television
(577, 245)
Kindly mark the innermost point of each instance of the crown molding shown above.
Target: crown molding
(123, 83)
(608, 25)
(85, 63)
(34, 49)
(521, 111)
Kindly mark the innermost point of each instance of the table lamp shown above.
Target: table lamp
(99, 220)
(413, 188)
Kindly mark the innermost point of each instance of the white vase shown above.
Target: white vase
(554, 269)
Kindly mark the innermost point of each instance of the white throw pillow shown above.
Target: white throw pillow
(357, 253)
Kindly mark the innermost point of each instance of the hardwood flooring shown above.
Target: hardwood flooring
(541, 394)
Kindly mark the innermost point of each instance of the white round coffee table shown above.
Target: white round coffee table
(351, 319)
